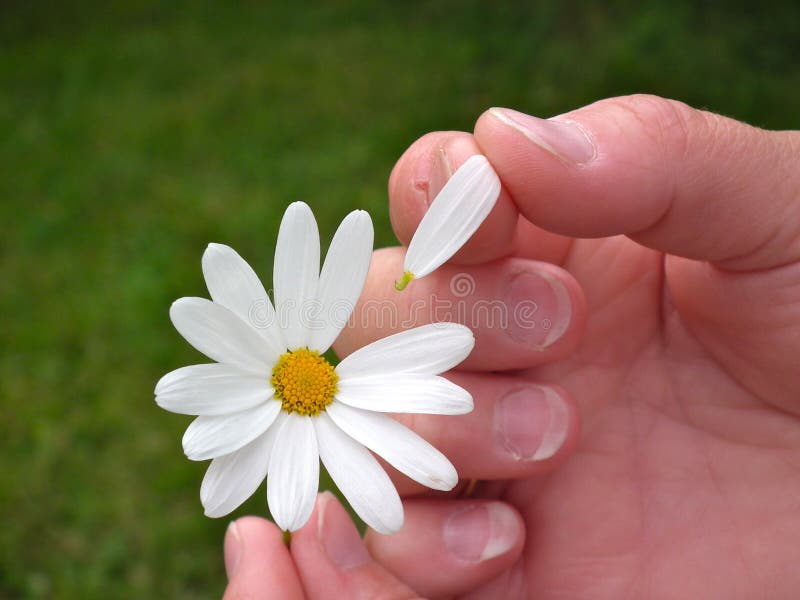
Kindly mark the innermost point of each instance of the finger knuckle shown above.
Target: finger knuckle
(670, 125)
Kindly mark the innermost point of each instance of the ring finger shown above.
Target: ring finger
(518, 429)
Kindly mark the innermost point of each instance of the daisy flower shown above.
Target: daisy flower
(272, 406)
(454, 215)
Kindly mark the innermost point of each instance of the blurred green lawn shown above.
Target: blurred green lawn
(133, 135)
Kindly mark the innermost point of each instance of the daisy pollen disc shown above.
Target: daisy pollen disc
(304, 382)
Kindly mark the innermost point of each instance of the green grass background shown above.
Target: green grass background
(133, 133)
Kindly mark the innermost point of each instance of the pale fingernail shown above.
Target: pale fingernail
(232, 549)
(442, 171)
(564, 139)
(531, 422)
(338, 534)
(539, 309)
(432, 174)
(481, 532)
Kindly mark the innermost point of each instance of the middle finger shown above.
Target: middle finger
(523, 313)
(518, 429)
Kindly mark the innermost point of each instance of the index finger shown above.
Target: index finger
(418, 177)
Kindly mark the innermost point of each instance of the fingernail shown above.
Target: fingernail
(338, 535)
(481, 532)
(531, 423)
(564, 139)
(232, 549)
(432, 174)
(442, 171)
(539, 309)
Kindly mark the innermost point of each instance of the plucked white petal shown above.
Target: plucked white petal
(293, 478)
(232, 479)
(405, 393)
(233, 284)
(214, 389)
(429, 349)
(342, 278)
(454, 215)
(396, 444)
(213, 436)
(296, 273)
(360, 477)
(221, 335)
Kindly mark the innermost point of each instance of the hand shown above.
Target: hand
(687, 376)
(674, 332)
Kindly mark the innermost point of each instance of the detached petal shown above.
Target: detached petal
(233, 284)
(296, 273)
(430, 349)
(405, 393)
(342, 278)
(360, 478)
(232, 479)
(214, 389)
(454, 215)
(397, 445)
(221, 335)
(293, 478)
(213, 436)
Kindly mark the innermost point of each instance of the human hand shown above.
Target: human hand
(684, 484)
(676, 330)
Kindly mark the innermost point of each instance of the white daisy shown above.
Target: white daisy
(273, 406)
(454, 215)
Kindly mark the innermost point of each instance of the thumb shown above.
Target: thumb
(676, 179)
(258, 563)
(333, 561)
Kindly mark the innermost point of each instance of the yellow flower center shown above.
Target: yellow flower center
(304, 382)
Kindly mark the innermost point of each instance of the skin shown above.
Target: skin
(677, 239)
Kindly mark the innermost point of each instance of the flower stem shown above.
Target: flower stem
(287, 538)
(401, 284)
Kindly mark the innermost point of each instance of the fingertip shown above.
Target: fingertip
(448, 547)
(253, 536)
(340, 538)
(546, 186)
(411, 181)
(482, 532)
(418, 177)
(522, 313)
(518, 429)
(330, 555)
(232, 546)
(257, 561)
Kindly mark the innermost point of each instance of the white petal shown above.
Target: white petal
(342, 278)
(296, 273)
(220, 335)
(454, 215)
(405, 393)
(214, 389)
(232, 479)
(360, 477)
(213, 436)
(398, 445)
(430, 349)
(293, 478)
(233, 284)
